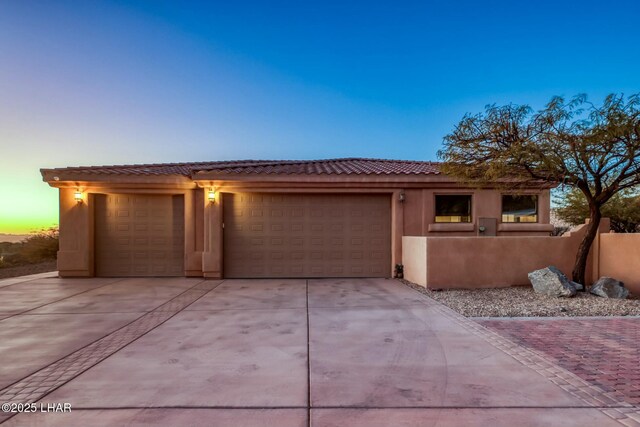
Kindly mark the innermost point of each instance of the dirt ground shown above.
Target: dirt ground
(24, 270)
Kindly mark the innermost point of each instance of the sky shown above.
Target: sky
(118, 82)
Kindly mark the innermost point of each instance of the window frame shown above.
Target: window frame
(435, 208)
(537, 214)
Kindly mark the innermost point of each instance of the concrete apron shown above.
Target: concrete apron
(363, 352)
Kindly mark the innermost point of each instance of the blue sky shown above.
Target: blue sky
(90, 82)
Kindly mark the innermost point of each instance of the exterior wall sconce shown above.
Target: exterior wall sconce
(401, 198)
(78, 196)
(211, 195)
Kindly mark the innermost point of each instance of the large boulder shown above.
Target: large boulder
(609, 288)
(551, 281)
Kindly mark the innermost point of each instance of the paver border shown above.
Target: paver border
(619, 410)
(37, 385)
(543, 318)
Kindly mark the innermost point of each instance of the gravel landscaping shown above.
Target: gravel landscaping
(522, 301)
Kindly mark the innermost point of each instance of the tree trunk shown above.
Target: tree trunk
(580, 266)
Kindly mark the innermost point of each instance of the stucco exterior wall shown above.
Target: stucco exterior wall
(414, 215)
(488, 262)
(414, 259)
(213, 230)
(419, 213)
(75, 254)
(620, 259)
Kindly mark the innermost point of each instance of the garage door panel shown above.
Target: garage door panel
(288, 235)
(141, 235)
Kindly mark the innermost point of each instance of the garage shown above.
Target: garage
(139, 235)
(269, 235)
(258, 218)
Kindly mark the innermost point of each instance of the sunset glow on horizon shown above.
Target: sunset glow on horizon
(117, 82)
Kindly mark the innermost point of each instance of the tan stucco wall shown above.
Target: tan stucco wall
(484, 262)
(414, 259)
(75, 254)
(213, 232)
(419, 213)
(194, 232)
(204, 222)
(620, 259)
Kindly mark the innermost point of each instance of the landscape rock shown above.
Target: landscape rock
(609, 288)
(551, 281)
(578, 286)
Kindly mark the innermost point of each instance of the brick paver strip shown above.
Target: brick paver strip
(608, 403)
(604, 352)
(35, 386)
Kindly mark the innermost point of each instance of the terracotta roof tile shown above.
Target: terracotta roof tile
(349, 166)
(346, 166)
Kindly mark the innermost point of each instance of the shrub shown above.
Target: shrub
(38, 247)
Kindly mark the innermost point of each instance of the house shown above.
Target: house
(247, 219)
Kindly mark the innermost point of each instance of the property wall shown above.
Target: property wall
(414, 259)
(485, 262)
(620, 259)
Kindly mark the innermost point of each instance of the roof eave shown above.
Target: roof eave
(61, 178)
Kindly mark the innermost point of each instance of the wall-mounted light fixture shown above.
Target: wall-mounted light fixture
(401, 197)
(78, 196)
(211, 195)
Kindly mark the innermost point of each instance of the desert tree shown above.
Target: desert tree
(575, 143)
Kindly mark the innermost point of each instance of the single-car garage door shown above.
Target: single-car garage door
(307, 235)
(139, 235)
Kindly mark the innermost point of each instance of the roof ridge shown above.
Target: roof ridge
(248, 163)
(395, 160)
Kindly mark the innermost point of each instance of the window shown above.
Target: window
(519, 208)
(452, 208)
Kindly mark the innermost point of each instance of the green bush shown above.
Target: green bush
(38, 247)
(623, 209)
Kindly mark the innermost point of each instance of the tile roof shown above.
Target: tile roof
(346, 166)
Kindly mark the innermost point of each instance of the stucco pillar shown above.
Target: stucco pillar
(397, 229)
(75, 255)
(193, 229)
(212, 255)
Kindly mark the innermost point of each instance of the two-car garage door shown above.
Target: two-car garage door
(307, 235)
(265, 235)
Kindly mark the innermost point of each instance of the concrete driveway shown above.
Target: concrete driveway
(330, 352)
